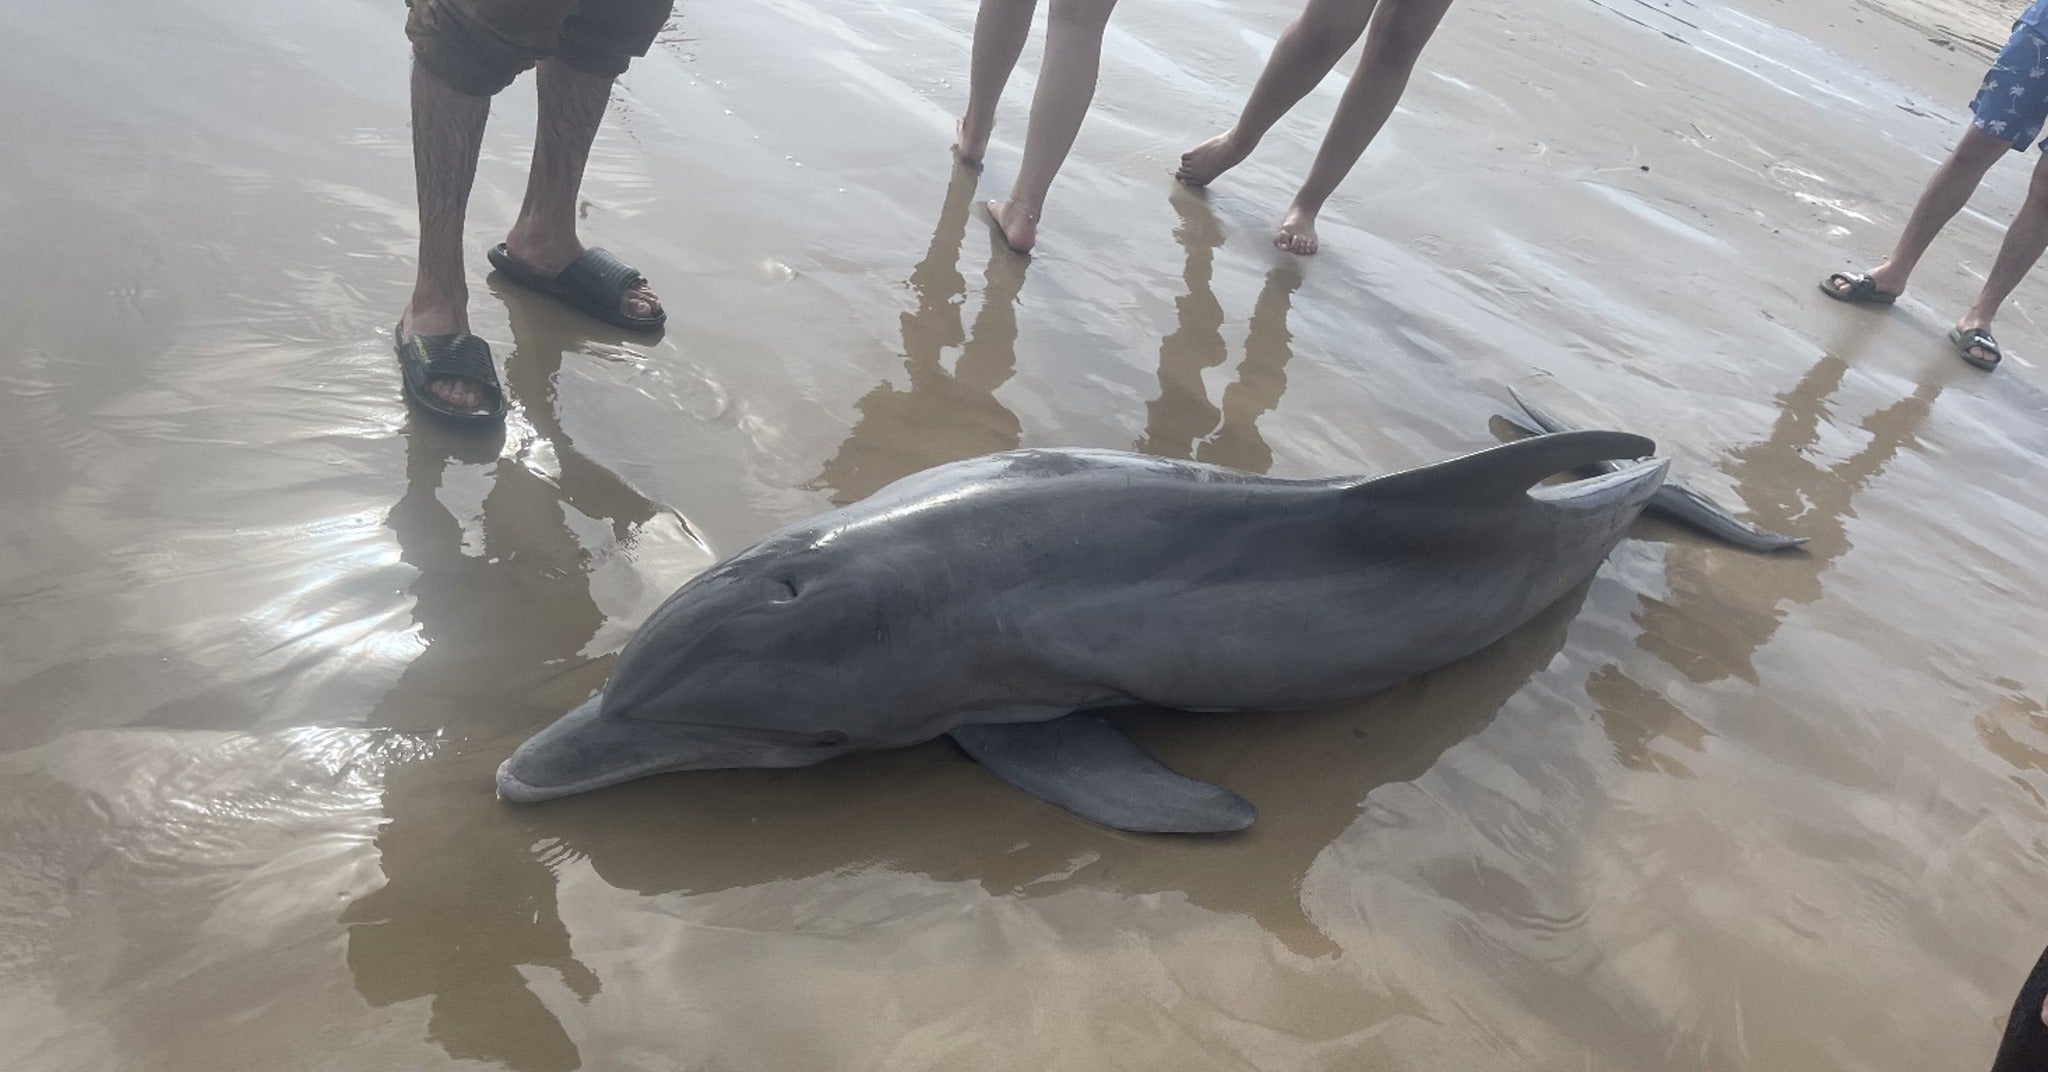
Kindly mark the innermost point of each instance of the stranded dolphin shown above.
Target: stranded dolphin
(994, 598)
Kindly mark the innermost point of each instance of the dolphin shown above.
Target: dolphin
(1003, 599)
(1674, 501)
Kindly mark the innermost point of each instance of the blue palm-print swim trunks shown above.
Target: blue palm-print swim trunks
(2012, 103)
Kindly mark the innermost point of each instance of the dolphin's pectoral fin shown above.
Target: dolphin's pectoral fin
(1507, 470)
(1675, 500)
(1087, 766)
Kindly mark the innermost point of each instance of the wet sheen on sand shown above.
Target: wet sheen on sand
(267, 637)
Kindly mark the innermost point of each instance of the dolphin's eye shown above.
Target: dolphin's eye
(832, 739)
(781, 591)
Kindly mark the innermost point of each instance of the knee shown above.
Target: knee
(2037, 187)
(1089, 15)
(1401, 33)
(465, 55)
(1327, 30)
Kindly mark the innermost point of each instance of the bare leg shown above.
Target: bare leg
(544, 238)
(999, 31)
(2024, 243)
(1395, 40)
(1307, 49)
(1946, 194)
(447, 132)
(1066, 86)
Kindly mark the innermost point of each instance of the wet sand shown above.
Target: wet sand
(266, 637)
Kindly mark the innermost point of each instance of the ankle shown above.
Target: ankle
(535, 235)
(437, 311)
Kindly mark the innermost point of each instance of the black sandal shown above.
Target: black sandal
(1966, 342)
(1860, 289)
(592, 284)
(426, 357)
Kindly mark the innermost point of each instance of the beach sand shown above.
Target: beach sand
(266, 636)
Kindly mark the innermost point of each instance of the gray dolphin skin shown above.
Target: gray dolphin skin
(1002, 599)
(1674, 500)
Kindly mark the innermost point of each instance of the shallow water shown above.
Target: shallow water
(266, 637)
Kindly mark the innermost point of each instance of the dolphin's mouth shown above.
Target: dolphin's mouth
(581, 752)
(513, 788)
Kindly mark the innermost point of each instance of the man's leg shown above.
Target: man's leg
(1395, 40)
(462, 56)
(1946, 194)
(999, 31)
(572, 104)
(2025, 1046)
(1066, 86)
(447, 132)
(2024, 242)
(1307, 49)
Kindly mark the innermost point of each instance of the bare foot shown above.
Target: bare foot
(1018, 224)
(969, 143)
(420, 319)
(1298, 232)
(1202, 164)
(547, 254)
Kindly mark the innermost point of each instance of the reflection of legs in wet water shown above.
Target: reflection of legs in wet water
(2025, 1046)
(540, 342)
(940, 417)
(465, 903)
(1066, 86)
(1182, 412)
(468, 909)
(1261, 379)
(1946, 194)
(1305, 53)
(1791, 485)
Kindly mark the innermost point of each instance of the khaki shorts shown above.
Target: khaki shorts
(479, 46)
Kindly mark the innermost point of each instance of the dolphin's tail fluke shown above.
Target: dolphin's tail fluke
(1674, 500)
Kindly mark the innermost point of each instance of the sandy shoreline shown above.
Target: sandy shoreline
(267, 637)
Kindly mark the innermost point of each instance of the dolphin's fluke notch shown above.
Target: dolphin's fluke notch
(1085, 765)
(1674, 500)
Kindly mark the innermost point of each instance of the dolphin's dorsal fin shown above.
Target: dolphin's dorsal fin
(1504, 471)
(1085, 765)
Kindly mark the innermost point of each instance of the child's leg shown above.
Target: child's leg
(1066, 85)
(999, 32)
(1307, 49)
(1399, 31)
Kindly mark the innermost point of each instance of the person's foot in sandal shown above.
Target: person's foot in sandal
(1875, 287)
(447, 371)
(1974, 344)
(592, 281)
